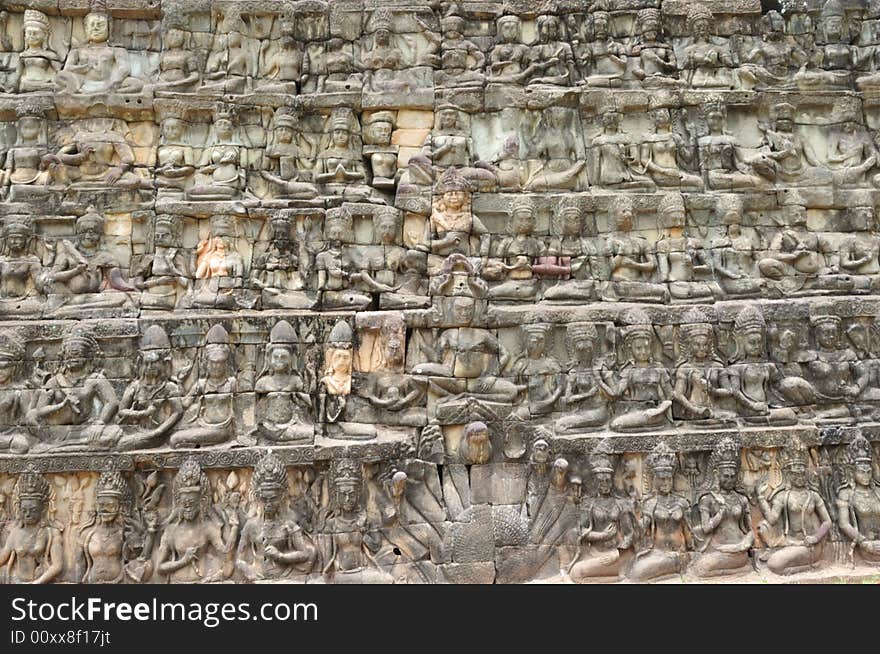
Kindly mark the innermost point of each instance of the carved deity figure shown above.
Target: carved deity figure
(539, 369)
(33, 552)
(338, 283)
(666, 533)
(769, 62)
(151, 404)
(796, 520)
(273, 544)
(76, 407)
(194, 531)
(349, 539)
(785, 157)
(175, 170)
(833, 59)
(214, 413)
(605, 56)
(735, 252)
(698, 377)
(95, 67)
(95, 158)
(858, 502)
(707, 61)
(23, 172)
(219, 173)
(340, 165)
(588, 386)
(682, 262)
(552, 49)
(219, 269)
(631, 263)
(277, 273)
(725, 527)
(721, 162)
(607, 524)
(452, 222)
(22, 279)
(751, 378)
(284, 406)
(37, 63)
(15, 396)
(515, 255)
(510, 59)
(659, 154)
(571, 257)
(164, 276)
(462, 60)
(833, 371)
(614, 154)
(656, 65)
(106, 539)
(644, 390)
(292, 154)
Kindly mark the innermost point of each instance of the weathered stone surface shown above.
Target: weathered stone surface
(461, 292)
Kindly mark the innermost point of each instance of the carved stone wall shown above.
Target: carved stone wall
(420, 292)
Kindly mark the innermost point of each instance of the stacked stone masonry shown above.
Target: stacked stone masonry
(401, 291)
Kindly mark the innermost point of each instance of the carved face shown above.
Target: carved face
(540, 452)
(335, 230)
(571, 222)
(7, 370)
(454, 200)
(833, 27)
(172, 129)
(600, 27)
(174, 39)
(97, 28)
(224, 129)
(753, 344)
(153, 366)
(271, 499)
(661, 118)
(217, 366)
(859, 337)
(34, 36)
(827, 335)
(536, 344)
(394, 350)
(463, 310)
(624, 217)
(164, 236)
(340, 137)
(863, 473)
(560, 474)
(30, 510)
(76, 356)
(663, 481)
(387, 228)
(797, 475)
(523, 222)
(701, 28)
(340, 362)
(478, 446)
(787, 340)
(448, 119)
(189, 500)
(548, 29)
(89, 234)
(29, 128)
(509, 31)
(108, 508)
(715, 121)
(611, 121)
(640, 346)
(379, 133)
(727, 478)
(383, 36)
(604, 482)
(279, 360)
(284, 134)
(699, 346)
(583, 349)
(650, 29)
(16, 242)
(348, 497)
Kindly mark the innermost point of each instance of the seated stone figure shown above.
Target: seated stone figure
(76, 407)
(22, 279)
(95, 67)
(284, 407)
(85, 277)
(277, 272)
(212, 406)
(151, 405)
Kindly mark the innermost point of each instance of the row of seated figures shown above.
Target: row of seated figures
(567, 51)
(353, 159)
(289, 270)
(634, 377)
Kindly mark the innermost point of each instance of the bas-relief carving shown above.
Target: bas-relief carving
(439, 294)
